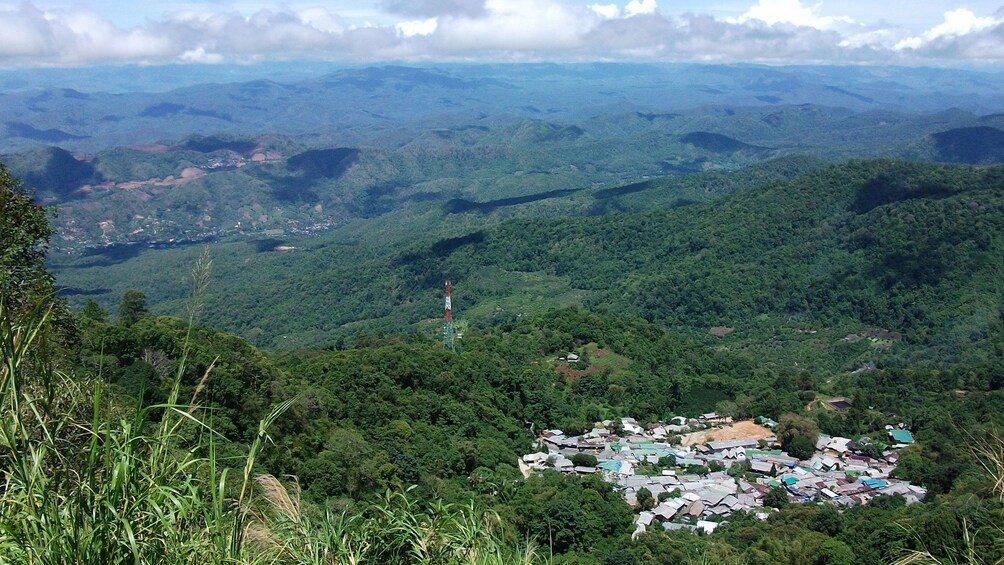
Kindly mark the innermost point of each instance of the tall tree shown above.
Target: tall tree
(132, 307)
(24, 239)
(93, 311)
(797, 435)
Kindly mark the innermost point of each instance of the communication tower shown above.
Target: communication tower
(449, 329)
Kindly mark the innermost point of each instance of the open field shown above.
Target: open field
(744, 429)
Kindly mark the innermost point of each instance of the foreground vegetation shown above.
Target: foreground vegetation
(110, 481)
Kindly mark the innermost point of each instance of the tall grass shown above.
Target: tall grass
(84, 481)
(989, 451)
(392, 530)
(111, 486)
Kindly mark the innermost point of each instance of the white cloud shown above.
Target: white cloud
(417, 27)
(775, 31)
(606, 11)
(960, 22)
(639, 7)
(199, 55)
(519, 25)
(878, 38)
(25, 32)
(957, 23)
(789, 12)
(322, 20)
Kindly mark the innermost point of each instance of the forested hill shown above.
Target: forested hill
(910, 248)
(837, 266)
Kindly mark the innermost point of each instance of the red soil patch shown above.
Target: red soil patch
(571, 374)
(150, 148)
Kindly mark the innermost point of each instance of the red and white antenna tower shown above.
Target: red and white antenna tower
(449, 330)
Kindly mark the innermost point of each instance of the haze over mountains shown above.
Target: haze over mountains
(357, 104)
(377, 182)
(359, 142)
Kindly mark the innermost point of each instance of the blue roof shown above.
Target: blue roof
(610, 465)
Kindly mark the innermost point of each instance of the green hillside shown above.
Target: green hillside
(358, 273)
(813, 267)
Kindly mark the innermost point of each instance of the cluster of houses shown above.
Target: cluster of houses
(691, 486)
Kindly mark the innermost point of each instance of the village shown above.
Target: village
(692, 473)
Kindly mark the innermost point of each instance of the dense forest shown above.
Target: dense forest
(805, 262)
(130, 436)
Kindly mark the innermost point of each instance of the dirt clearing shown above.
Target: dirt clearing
(744, 429)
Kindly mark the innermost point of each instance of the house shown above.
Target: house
(840, 404)
(535, 457)
(630, 426)
(696, 509)
(839, 445)
(713, 497)
(563, 465)
(765, 421)
(708, 527)
(730, 444)
(765, 467)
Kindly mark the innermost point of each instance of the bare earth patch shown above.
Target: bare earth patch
(737, 430)
(571, 374)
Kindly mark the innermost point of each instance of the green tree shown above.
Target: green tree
(801, 447)
(132, 307)
(797, 433)
(776, 498)
(739, 468)
(92, 311)
(24, 239)
(827, 521)
(564, 525)
(645, 499)
(619, 557)
(584, 460)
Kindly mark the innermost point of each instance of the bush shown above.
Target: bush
(645, 499)
(584, 460)
(776, 498)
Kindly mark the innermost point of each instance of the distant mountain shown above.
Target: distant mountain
(974, 145)
(51, 135)
(402, 79)
(716, 142)
(54, 172)
(374, 105)
(212, 143)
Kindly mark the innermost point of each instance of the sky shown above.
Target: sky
(67, 33)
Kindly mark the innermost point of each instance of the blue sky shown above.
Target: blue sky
(74, 33)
